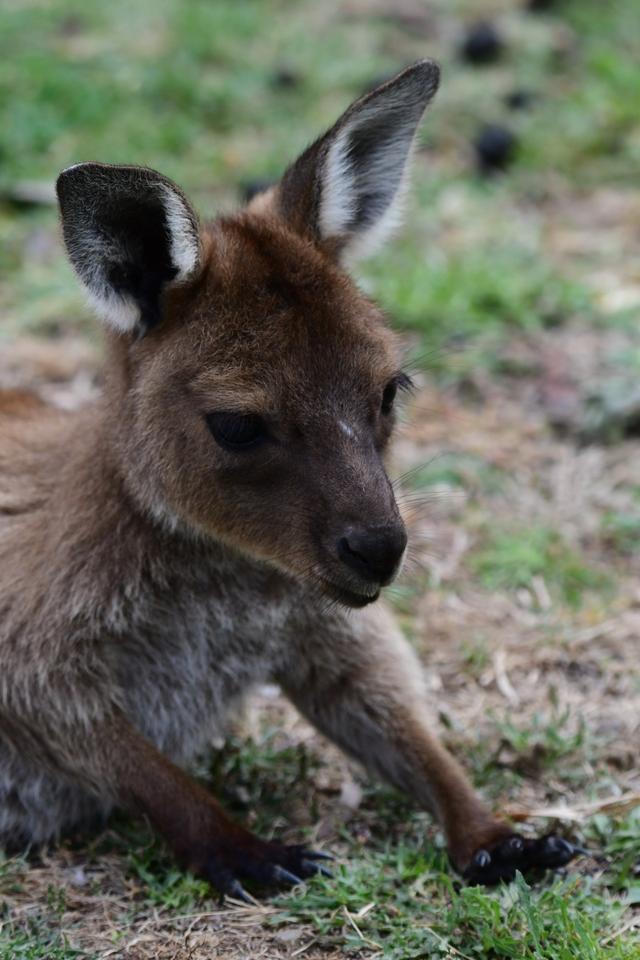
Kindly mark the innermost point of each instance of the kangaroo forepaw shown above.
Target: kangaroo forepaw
(270, 865)
(492, 864)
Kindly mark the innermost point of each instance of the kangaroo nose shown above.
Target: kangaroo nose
(374, 554)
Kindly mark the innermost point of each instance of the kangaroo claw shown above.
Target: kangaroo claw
(500, 862)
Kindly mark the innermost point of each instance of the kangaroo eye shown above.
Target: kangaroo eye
(388, 396)
(402, 381)
(237, 431)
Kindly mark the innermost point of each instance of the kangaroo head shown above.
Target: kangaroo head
(250, 383)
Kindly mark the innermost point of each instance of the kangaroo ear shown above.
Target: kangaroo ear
(129, 233)
(347, 188)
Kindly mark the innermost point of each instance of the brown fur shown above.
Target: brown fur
(148, 577)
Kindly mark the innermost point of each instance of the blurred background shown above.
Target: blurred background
(221, 95)
(516, 285)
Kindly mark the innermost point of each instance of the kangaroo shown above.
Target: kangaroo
(222, 515)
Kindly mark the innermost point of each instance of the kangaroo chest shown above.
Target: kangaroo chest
(194, 648)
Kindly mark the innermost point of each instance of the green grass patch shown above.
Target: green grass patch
(402, 903)
(192, 88)
(35, 934)
(398, 898)
(509, 560)
(260, 782)
(395, 897)
(470, 294)
(456, 471)
(514, 749)
(38, 943)
(546, 741)
(464, 303)
(588, 122)
(622, 531)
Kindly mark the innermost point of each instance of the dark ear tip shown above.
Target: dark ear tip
(69, 174)
(420, 80)
(63, 180)
(429, 73)
(69, 171)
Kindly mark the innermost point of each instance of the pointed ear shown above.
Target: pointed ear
(347, 188)
(130, 233)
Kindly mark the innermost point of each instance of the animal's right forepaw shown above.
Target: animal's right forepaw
(499, 862)
(270, 865)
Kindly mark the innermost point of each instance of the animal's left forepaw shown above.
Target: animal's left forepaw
(493, 864)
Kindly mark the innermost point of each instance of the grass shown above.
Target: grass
(457, 471)
(218, 94)
(512, 559)
(462, 302)
(194, 88)
(397, 899)
(407, 920)
(622, 531)
(40, 938)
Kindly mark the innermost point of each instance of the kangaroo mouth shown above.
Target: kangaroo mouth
(348, 597)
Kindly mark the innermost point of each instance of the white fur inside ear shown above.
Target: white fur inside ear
(348, 185)
(94, 252)
(338, 192)
(89, 250)
(373, 238)
(121, 313)
(185, 246)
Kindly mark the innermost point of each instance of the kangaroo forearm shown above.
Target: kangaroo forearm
(367, 694)
(364, 690)
(393, 742)
(145, 780)
(109, 758)
(431, 774)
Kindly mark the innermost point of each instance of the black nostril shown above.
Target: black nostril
(350, 556)
(373, 554)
